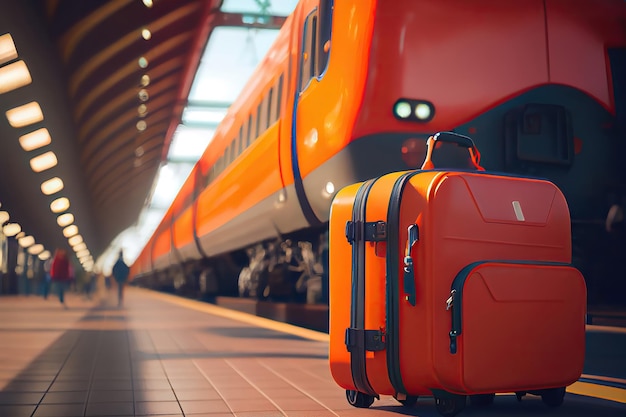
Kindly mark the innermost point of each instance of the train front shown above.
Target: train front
(540, 85)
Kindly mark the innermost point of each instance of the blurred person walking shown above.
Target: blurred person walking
(46, 279)
(61, 273)
(120, 273)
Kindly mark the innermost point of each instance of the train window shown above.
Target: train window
(198, 181)
(313, 58)
(211, 175)
(250, 134)
(259, 127)
(307, 59)
(244, 134)
(240, 140)
(233, 149)
(279, 97)
(271, 114)
(325, 29)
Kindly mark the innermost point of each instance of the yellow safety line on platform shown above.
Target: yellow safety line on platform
(605, 378)
(598, 391)
(245, 317)
(604, 329)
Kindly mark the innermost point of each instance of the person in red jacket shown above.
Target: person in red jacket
(61, 273)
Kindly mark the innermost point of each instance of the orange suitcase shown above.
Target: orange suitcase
(453, 283)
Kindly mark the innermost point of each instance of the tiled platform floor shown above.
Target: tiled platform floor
(160, 356)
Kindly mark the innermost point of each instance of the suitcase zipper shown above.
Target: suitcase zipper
(455, 302)
(356, 337)
(392, 284)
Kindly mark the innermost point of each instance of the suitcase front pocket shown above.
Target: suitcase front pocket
(518, 326)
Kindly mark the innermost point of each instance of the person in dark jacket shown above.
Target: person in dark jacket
(120, 273)
(46, 280)
(61, 273)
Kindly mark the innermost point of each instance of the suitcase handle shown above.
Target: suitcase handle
(435, 141)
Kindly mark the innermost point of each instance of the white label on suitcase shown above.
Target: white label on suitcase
(517, 207)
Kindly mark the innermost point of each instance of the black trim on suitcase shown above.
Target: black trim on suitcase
(393, 279)
(455, 302)
(355, 338)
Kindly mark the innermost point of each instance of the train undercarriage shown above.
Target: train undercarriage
(286, 269)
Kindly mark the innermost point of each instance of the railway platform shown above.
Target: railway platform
(168, 356)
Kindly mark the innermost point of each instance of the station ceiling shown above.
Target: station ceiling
(111, 95)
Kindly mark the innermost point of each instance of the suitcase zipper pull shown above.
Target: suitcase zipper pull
(454, 333)
(409, 275)
(450, 300)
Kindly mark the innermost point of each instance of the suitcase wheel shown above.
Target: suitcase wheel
(450, 405)
(358, 399)
(553, 397)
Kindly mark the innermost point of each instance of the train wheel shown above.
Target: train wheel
(553, 397)
(358, 399)
(482, 400)
(451, 405)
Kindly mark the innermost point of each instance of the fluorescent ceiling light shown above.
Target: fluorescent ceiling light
(75, 240)
(36, 249)
(59, 205)
(35, 140)
(189, 143)
(45, 255)
(79, 246)
(82, 253)
(11, 229)
(4, 217)
(65, 219)
(53, 185)
(275, 7)
(43, 161)
(26, 241)
(207, 116)
(25, 115)
(14, 76)
(70, 231)
(7, 48)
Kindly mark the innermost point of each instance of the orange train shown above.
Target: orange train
(351, 89)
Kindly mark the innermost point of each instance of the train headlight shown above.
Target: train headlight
(402, 109)
(413, 110)
(329, 190)
(423, 111)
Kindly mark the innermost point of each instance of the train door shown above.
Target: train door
(308, 57)
(332, 71)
